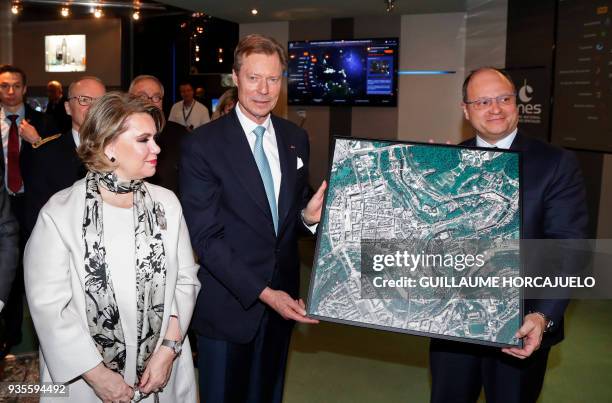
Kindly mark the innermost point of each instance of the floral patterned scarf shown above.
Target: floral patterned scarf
(102, 310)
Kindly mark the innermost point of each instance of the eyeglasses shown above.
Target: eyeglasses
(155, 98)
(485, 103)
(83, 100)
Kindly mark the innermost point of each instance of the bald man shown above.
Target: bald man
(55, 163)
(55, 105)
(554, 207)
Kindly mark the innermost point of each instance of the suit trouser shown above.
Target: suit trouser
(246, 373)
(460, 370)
(13, 310)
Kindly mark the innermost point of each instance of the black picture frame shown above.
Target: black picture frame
(324, 217)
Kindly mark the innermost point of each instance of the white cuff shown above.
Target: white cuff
(312, 228)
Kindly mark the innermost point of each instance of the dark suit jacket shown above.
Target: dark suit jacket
(169, 141)
(52, 167)
(45, 126)
(554, 207)
(231, 226)
(58, 112)
(9, 243)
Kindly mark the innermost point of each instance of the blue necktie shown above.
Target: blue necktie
(265, 172)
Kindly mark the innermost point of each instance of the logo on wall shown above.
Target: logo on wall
(529, 112)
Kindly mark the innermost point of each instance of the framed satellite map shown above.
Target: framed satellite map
(421, 239)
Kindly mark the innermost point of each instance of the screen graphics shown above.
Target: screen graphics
(343, 72)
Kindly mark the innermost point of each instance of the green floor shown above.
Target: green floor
(337, 363)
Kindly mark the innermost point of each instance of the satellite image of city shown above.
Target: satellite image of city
(426, 199)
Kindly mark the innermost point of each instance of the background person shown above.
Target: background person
(21, 126)
(151, 89)
(188, 112)
(55, 105)
(56, 162)
(110, 276)
(9, 245)
(226, 103)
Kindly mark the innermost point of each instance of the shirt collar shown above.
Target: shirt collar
(75, 137)
(504, 143)
(20, 112)
(247, 124)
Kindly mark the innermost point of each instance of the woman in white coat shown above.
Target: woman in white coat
(109, 272)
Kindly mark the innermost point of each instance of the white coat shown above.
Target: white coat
(54, 279)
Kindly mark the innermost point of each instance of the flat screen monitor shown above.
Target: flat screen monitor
(65, 53)
(355, 72)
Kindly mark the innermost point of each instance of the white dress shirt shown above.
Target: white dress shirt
(76, 138)
(504, 143)
(269, 145)
(197, 115)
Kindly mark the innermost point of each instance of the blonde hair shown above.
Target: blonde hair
(105, 121)
(229, 97)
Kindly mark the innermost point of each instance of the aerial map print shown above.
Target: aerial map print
(428, 201)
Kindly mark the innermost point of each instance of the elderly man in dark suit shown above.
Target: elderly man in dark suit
(55, 164)
(23, 129)
(554, 207)
(244, 190)
(169, 139)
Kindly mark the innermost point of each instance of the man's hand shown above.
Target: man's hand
(158, 370)
(28, 132)
(531, 332)
(108, 385)
(286, 306)
(312, 212)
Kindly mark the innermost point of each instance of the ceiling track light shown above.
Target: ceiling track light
(136, 15)
(98, 12)
(15, 7)
(389, 5)
(65, 12)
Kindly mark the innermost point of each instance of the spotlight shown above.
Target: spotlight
(199, 30)
(65, 12)
(220, 60)
(197, 59)
(220, 50)
(389, 5)
(98, 13)
(15, 9)
(254, 11)
(136, 15)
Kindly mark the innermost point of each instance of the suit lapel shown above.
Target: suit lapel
(288, 164)
(518, 143)
(240, 157)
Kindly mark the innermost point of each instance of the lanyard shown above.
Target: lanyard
(186, 117)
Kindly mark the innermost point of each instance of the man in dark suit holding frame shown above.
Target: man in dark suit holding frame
(554, 207)
(244, 191)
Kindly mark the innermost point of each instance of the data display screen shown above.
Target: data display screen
(343, 72)
(583, 76)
